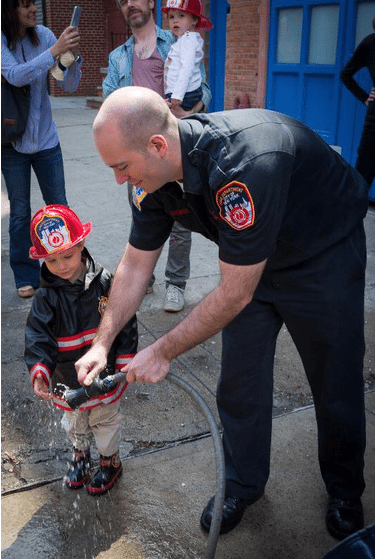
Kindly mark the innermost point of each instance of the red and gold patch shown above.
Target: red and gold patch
(236, 205)
(102, 304)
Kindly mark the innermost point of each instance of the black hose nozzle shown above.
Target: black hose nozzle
(98, 387)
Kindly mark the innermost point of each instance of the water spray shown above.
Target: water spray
(101, 386)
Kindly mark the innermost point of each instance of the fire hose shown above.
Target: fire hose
(100, 386)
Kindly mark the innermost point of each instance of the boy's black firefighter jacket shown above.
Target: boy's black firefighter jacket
(63, 320)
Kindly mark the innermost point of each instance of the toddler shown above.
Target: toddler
(182, 67)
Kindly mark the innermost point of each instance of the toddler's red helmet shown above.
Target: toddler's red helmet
(192, 7)
(55, 228)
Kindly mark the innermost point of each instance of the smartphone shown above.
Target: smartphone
(76, 16)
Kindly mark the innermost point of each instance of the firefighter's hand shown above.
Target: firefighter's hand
(147, 366)
(91, 364)
(41, 388)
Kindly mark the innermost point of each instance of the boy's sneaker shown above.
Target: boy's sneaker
(78, 472)
(174, 299)
(110, 469)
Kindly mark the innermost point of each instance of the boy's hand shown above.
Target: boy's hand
(41, 388)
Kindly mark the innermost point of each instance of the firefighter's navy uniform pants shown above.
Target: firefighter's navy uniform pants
(321, 302)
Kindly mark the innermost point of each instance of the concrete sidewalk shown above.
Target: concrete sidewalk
(169, 467)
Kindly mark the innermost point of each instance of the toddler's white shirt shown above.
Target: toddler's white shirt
(182, 66)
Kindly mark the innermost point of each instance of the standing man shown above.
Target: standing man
(140, 62)
(291, 250)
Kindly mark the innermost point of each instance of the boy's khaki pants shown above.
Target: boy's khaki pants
(103, 422)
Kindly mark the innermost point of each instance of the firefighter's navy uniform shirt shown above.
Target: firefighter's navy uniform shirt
(258, 183)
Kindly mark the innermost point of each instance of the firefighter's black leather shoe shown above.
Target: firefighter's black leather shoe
(233, 510)
(344, 517)
(79, 468)
(110, 469)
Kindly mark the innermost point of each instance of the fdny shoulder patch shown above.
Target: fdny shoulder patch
(138, 194)
(236, 205)
(102, 304)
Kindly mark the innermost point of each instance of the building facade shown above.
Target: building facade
(284, 55)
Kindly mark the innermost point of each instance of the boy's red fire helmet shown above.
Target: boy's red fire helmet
(55, 228)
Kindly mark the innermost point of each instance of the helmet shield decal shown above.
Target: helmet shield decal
(53, 233)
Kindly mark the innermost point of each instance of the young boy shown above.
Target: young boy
(182, 66)
(63, 319)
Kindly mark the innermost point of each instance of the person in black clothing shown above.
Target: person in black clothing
(286, 212)
(364, 57)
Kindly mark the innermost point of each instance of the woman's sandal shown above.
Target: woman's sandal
(25, 291)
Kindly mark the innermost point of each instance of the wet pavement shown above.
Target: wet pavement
(169, 466)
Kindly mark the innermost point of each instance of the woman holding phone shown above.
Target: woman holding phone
(28, 52)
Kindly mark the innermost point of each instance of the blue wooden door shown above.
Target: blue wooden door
(310, 42)
(217, 53)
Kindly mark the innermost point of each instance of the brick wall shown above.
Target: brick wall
(93, 40)
(246, 44)
(244, 40)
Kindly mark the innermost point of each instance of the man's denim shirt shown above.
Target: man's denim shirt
(121, 60)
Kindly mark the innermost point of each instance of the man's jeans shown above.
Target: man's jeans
(179, 249)
(16, 169)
